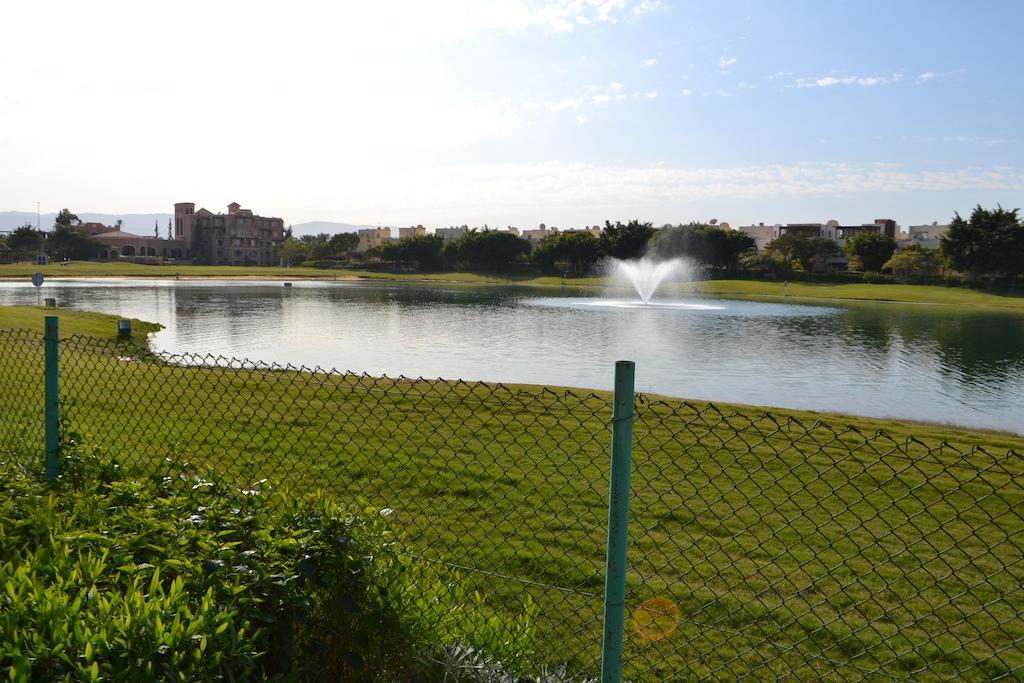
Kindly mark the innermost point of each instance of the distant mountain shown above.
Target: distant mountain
(317, 227)
(138, 223)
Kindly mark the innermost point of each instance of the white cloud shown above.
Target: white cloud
(726, 62)
(932, 76)
(780, 74)
(829, 81)
(743, 85)
(511, 189)
(686, 92)
(564, 104)
(649, 62)
(595, 96)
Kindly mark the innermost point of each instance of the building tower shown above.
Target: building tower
(184, 219)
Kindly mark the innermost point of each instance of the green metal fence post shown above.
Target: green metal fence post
(618, 517)
(52, 342)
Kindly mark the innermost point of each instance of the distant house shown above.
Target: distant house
(539, 234)
(927, 236)
(762, 234)
(371, 238)
(414, 231)
(117, 244)
(93, 229)
(451, 234)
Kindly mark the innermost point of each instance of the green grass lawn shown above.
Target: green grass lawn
(814, 546)
(97, 325)
(925, 294)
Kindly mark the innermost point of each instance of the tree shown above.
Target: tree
(625, 241)
(25, 242)
(714, 247)
(293, 251)
(343, 244)
(318, 248)
(799, 251)
(423, 252)
(914, 261)
(990, 244)
(870, 249)
(762, 262)
(66, 241)
(169, 236)
(66, 219)
(489, 250)
(576, 251)
(156, 228)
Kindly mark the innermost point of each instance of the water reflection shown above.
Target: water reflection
(923, 362)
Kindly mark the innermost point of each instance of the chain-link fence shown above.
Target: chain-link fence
(760, 547)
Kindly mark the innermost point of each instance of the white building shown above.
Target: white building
(371, 238)
(928, 236)
(762, 234)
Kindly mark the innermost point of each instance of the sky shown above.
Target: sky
(566, 112)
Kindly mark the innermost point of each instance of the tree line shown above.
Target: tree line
(565, 252)
(987, 247)
(65, 241)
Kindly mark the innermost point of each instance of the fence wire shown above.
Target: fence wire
(760, 547)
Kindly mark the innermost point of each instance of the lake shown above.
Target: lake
(886, 360)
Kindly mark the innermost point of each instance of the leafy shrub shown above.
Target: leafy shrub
(179, 576)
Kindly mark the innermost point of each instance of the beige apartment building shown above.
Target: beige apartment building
(237, 238)
(538, 235)
(451, 234)
(371, 238)
(414, 231)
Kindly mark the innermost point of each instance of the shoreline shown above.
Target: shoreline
(749, 290)
(87, 323)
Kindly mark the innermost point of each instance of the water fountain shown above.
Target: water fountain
(646, 274)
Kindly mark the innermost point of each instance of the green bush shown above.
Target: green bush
(180, 576)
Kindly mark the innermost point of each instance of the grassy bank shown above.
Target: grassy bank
(746, 289)
(793, 543)
(97, 325)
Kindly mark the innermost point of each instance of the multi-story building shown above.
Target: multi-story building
(762, 234)
(809, 230)
(371, 238)
(889, 227)
(414, 231)
(928, 236)
(846, 232)
(452, 234)
(237, 238)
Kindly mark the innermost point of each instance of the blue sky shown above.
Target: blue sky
(567, 112)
